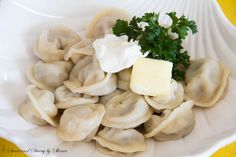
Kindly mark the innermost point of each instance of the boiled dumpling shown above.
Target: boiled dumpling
(88, 78)
(29, 113)
(104, 99)
(52, 43)
(122, 141)
(110, 152)
(126, 110)
(39, 107)
(123, 79)
(80, 122)
(49, 75)
(65, 98)
(171, 125)
(172, 101)
(206, 80)
(104, 21)
(79, 50)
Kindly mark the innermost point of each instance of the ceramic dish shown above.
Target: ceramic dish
(21, 22)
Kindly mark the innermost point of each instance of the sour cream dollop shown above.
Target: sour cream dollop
(116, 53)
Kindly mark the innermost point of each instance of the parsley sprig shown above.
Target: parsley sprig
(157, 39)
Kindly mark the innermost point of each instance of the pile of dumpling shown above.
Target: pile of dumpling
(70, 92)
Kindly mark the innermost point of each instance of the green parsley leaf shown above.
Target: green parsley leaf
(121, 27)
(156, 39)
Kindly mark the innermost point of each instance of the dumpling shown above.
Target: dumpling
(80, 122)
(110, 152)
(79, 50)
(65, 98)
(39, 107)
(49, 75)
(205, 80)
(122, 141)
(88, 78)
(171, 125)
(105, 20)
(123, 79)
(172, 101)
(104, 99)
(29, 113)
(52, 43)
(126, 110)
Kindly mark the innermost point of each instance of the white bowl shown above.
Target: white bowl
(22, 20)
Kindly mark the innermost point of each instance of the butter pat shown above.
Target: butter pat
(151, 77)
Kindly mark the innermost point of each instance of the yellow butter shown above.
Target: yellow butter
(151, 77)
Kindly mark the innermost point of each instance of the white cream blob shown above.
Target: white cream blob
(116, 53)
